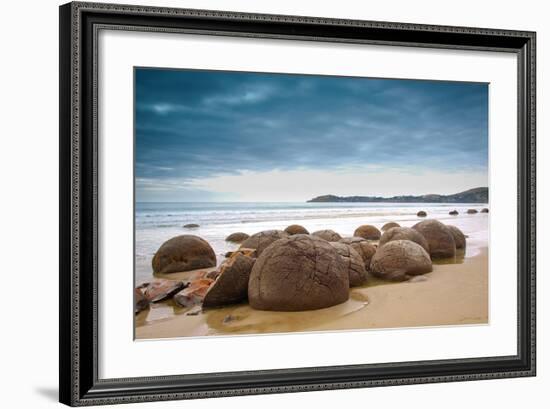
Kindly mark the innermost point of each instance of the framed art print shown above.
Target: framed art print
(238, 185)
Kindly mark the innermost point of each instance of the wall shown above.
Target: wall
(29, 172)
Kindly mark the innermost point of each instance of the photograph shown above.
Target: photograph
(291, 203)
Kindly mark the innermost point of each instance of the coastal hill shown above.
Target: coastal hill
(476, 195)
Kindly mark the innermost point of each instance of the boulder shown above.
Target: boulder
(484, 210)
(191, 226)
(140, 302)
(298, 273)
(296, 229)
(231, 285)
(183, 253)
(261, 240)
(161, 289)
(471, 211)
(440, 239)
(355, 265)
(422, 213)
(367, 232)
(365, 249)
(328, 235)
(389, 225)
(400, 260)
(460, 238)
(404, 233)
(453, 213)
(194, 293)
(238, 237)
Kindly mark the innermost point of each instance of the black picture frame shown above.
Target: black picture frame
(78, 349)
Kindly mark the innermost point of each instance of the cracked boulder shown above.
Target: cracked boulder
(400, 260)
(365, 249)
(298, 273)
(231, 285)
(404, 233)
(440, 239)
(460, 238)
(355, 265)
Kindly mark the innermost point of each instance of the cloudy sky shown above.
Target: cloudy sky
(231, 136)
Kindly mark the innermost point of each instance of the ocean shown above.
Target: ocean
(157, 222)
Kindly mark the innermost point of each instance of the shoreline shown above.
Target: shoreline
(452, 294)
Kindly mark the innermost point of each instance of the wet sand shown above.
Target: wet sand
(454, 293)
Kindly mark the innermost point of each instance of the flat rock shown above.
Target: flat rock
(194, 293)
(161, 289)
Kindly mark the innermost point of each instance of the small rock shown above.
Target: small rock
(244, 251)
(191, 226)
(194, 294)
(484, 210)
(228, 318)
(453, 213)
(471, 211)
(422, 213)
(418, 279)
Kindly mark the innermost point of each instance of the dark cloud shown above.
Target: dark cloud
(192, 124)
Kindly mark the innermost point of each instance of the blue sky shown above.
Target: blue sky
(233, 136)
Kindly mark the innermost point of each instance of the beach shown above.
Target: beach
(454, 293)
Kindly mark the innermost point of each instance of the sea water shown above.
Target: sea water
(157, 222)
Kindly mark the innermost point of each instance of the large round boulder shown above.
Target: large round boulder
(440, 239)
(354, 263)
(460, 238)
(237, 237)
(296, 229)
(328, 235)
(390, 225)
(263, 239)
(183, 253)
(298, 273)
(365, 249)
(400, 260)
(367, 232)
(404, 233)
(231, 285)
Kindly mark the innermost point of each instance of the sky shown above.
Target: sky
(234, 136)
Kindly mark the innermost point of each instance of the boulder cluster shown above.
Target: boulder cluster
(293, 270)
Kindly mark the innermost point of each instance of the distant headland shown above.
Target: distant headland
(476, 195)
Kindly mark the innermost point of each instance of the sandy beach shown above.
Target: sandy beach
(454, 293)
